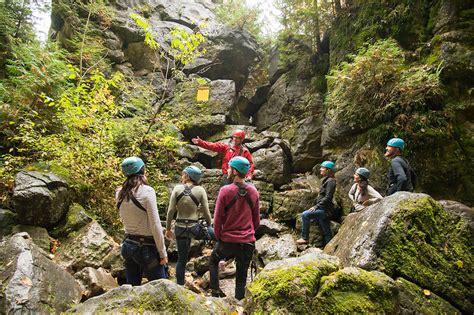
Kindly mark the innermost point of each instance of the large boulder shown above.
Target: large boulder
(306, 147)
(289, 285)
(159, 296)
(274, 163)
(269, 227)
(276, 248)
(87, 248)
(412, 236)
(30, 282)
(40, 199)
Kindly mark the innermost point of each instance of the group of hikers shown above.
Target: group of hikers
(236, 213)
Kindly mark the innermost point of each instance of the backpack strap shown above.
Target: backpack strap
(135, 202)
(188, 192)
(241, 192)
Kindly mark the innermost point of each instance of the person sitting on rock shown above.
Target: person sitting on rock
(185, 199)
(324, 206)
(238, 149)
(236, 216)
(143, 248)
(399, 174)
(361, 193)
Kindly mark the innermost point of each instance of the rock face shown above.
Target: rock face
(274, 164)
(155, 297)
(40, 199)
(411, 235)
(88, 248)
(288, 205)
(30, 282)
(38, 235)
(75, 219)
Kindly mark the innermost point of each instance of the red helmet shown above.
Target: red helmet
(239, 133)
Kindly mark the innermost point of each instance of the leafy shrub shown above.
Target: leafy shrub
(378, 84)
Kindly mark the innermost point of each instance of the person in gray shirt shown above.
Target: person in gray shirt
(185, 200)
(143, 248)
(399, 172)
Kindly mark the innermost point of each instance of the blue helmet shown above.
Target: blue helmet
(241, 164)
(328, 164)
(397, 143)
(362, 171)
(194, 173)
(132, 165)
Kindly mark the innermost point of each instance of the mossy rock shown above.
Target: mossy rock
(288, 286)
(159, 296)
(433, 248)
(354, 290)
(412, 236)
(414, 299)
(76, 218)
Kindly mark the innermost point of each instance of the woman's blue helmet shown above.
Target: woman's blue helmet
(362, 171)
(241, 164)
(328, 164)
(397, 143)
(132, 165)
(194, 173)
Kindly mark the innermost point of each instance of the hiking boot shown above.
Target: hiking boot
(301, 241)
(217, 293)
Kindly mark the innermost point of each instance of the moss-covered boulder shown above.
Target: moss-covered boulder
(354, 290)
(75, 219)
(413, 236)
(414, 299)
(159, 296)
(289, 286)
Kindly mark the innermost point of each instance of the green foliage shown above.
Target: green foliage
(238, 14)
(145, 25)
(378, 84)
(186, 46)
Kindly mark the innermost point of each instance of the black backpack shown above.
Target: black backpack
(188, 192)
(413, 176)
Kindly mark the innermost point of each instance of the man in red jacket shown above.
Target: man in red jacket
(236, 216)
(238, 149)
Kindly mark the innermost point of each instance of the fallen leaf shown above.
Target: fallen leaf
(26, 281)
(426, 292)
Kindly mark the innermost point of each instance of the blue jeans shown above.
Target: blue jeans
(183, 241)
(320, 216)
(243, 255)
(141, 260)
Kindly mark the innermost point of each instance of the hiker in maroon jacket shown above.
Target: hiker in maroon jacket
(236, 216)
(238, 149)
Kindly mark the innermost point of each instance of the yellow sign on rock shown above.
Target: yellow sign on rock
(203, 94)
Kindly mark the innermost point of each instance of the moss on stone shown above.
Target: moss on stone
(353, 290)
(432, 248)
(289, 287)
(414, 299)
